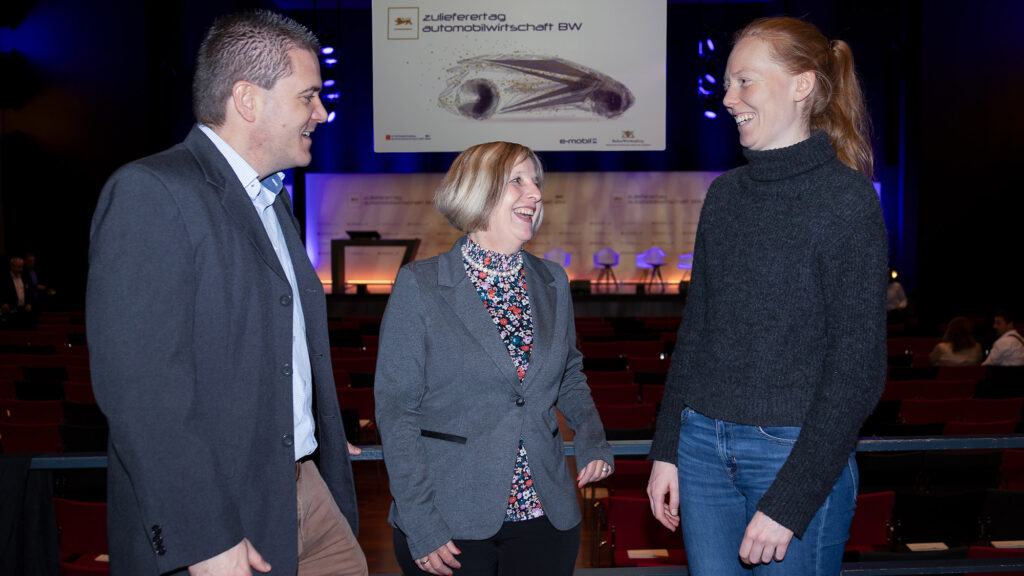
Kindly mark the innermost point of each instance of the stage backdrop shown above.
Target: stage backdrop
(565, 75)
(584, 212)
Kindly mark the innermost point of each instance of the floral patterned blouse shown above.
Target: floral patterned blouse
(501, 283)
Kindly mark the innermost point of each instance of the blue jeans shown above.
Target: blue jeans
(724, 469)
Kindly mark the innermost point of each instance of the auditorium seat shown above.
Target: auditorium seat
(1001, 515)
(31, 411)
(871, 528)
(965, 428)
(993, 409)
(976, 373)
(883, 471)
(362, 401)
(652, 393)
(927, 411)
(361, 364)
(1011, 471)
(618, 394)
(609, 349)
(990, 552)
(1002, 382)
(28, 438)
(631, 422)
(7, 389)
(937, 389)
(951, 517)
(960, 470)
(608, 378)
(632, 527)
(82, 534)
(650, 364)
(78, 392)
(604, 364)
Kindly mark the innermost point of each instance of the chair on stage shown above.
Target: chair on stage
(82, 533)
(559, 256)
(606, 259)
(651, 262)
(871, 528)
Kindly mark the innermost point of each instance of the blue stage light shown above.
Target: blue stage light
(710, 114)
(332, 96)
(330, 62)
(329, 82)
(709, 78)
(711, 45)
(700, 48)
(330, 116)
(327, 50)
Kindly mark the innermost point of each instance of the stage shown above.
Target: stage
(629, 299)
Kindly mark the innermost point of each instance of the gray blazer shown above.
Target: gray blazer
(451, 409)
(190, 327)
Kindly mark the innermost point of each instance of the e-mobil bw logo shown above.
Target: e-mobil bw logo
(403, 23)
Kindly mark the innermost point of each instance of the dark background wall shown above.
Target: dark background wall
(109, 82)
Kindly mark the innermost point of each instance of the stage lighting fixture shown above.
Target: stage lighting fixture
(333, 96)
(327, 50)
(710, 78)
(710, 114)
(330, 116)
(711, 45)
(329, 62)
(329, 82)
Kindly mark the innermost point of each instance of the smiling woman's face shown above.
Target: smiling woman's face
(763, 98)
(512, 222)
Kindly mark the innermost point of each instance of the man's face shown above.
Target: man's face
(289, 115)
(16, 266)
(1001, 326)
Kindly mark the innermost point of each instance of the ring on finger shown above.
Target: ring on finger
(425, 561)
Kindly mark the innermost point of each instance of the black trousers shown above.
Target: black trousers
(527, 548)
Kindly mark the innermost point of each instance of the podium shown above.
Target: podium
(339, 247)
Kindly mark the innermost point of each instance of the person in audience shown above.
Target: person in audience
(207, 331)
(754, 448)
(477, 347)
(895, 296)
(17, 298)
(1008, 349)
(31, 275)
(958, 346)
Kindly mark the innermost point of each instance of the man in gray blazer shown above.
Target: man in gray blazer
(207, 332)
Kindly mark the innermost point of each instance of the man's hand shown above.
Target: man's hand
(354, 450)
(764, 539)
(235, 561)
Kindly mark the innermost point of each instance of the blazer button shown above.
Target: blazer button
(286, 370)
(287, 440)
(520, 401)
(286, 300)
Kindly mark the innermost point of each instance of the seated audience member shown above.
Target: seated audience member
(1008, 349)
(895, 296)
(958, 346)
(16, 298)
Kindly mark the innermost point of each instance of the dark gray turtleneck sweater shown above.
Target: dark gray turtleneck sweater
(785, 318)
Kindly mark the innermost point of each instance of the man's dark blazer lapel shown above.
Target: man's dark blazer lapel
(232, 195)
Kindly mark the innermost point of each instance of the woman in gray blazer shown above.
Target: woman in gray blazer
(477, 348)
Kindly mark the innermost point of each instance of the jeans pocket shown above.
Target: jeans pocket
(781, 435)
(685, 415)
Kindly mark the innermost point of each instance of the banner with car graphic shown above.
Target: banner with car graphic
(552, 75)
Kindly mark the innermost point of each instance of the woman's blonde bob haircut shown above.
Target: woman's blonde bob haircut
(474, 184)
